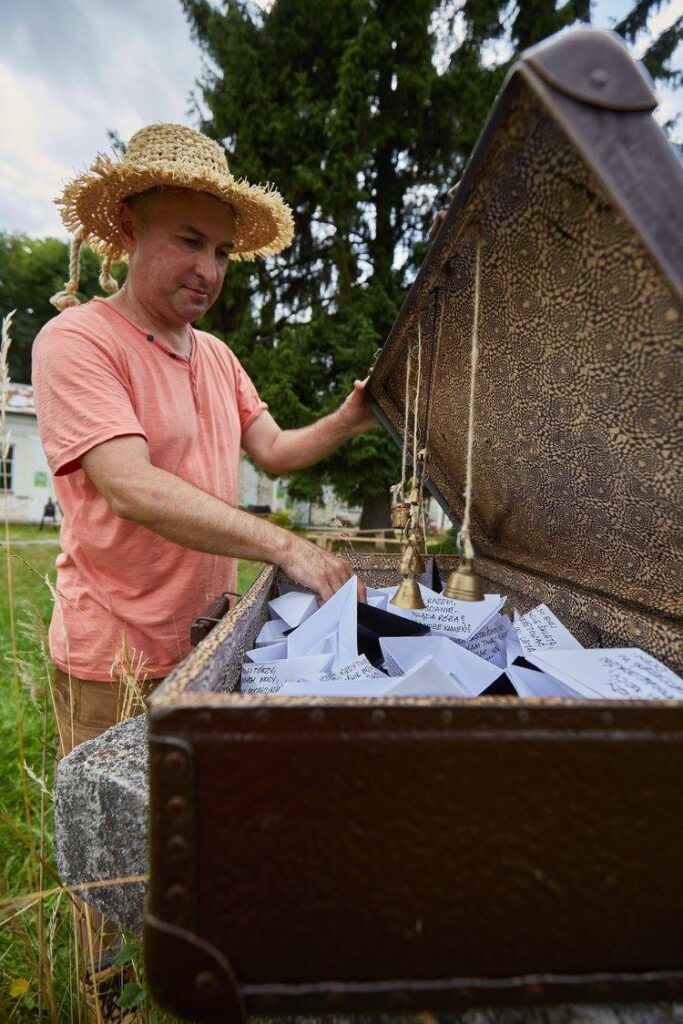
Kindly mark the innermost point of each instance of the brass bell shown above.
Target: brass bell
(464, 584)
(412, 562)
(400, 515)
(408, 595)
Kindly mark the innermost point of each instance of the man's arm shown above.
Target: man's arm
(281, 451)
(120, 469)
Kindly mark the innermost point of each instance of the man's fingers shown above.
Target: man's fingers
(362, 592)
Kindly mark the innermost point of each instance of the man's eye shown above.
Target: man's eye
(222, 254)
(194, 242)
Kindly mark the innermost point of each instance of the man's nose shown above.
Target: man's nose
(205, 267)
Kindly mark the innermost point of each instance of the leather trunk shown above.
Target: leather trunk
(349, 855)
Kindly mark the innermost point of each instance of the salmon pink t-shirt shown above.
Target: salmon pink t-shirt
(124, 592)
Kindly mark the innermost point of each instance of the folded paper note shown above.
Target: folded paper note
(459, 620)
(272, 632)
(269, 652)
(294, 607)
(472, 673)
(621, 673)
(268, 678)
(338, 617)
(540, 630)
(424, 679)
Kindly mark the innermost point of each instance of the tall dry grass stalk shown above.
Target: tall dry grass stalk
(43, 922)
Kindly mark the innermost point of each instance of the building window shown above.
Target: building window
(6, 471)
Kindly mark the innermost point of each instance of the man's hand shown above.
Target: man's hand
(320, 571)
(355, 412)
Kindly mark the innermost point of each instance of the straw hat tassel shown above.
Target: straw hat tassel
(68, 297)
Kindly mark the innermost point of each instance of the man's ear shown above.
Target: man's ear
(128, 228)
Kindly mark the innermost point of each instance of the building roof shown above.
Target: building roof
(20, 399)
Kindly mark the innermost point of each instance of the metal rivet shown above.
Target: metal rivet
(204, 717)
(206, 983)
(607, 718)
(174, 761)
(176, 894)
(177, 846)
(263, 715)
(177, 806)
(378, 715)
(317, 715)
(599, 78)
(523, 716)
(446, 717)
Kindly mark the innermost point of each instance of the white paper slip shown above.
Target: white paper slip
(529, 683)
(294, 607)
(271, 632)
(328, 645)
(513, 648)
(379, 596)
(269, 678)
(359, 668)
(457, 619)
(426, 679)
(362, 687)
(339, 615)
(401, 653)
(489, 643)
(617, 673)
(540, 630)
(269, 652)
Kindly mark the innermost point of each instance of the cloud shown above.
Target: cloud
(69, 72)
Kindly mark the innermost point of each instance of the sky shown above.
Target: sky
(69, 71)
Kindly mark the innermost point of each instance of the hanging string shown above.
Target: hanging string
(464, 542)
(406, 421)
(418, 385)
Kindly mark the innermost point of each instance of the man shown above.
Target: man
(142, 418)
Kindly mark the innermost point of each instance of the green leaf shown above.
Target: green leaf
(127, 953)
(132, 995)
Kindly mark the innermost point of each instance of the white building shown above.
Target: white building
(25, 480)
(26, 483)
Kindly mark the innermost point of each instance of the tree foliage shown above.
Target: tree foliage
(364, 118)
(31, 270)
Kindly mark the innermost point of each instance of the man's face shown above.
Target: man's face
(178, 243)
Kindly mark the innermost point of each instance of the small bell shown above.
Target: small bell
(464, 584)
(408, 595)
(400, 515)
(412, 562)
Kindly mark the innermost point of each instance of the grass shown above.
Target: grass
(38, 957)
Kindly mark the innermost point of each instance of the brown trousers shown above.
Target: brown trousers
(86, 707)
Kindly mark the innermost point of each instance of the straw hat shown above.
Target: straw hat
(172, 155)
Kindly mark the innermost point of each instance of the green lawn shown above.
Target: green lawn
(25, 709)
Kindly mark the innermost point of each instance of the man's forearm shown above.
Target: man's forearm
(188, 516)
(300, 448)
